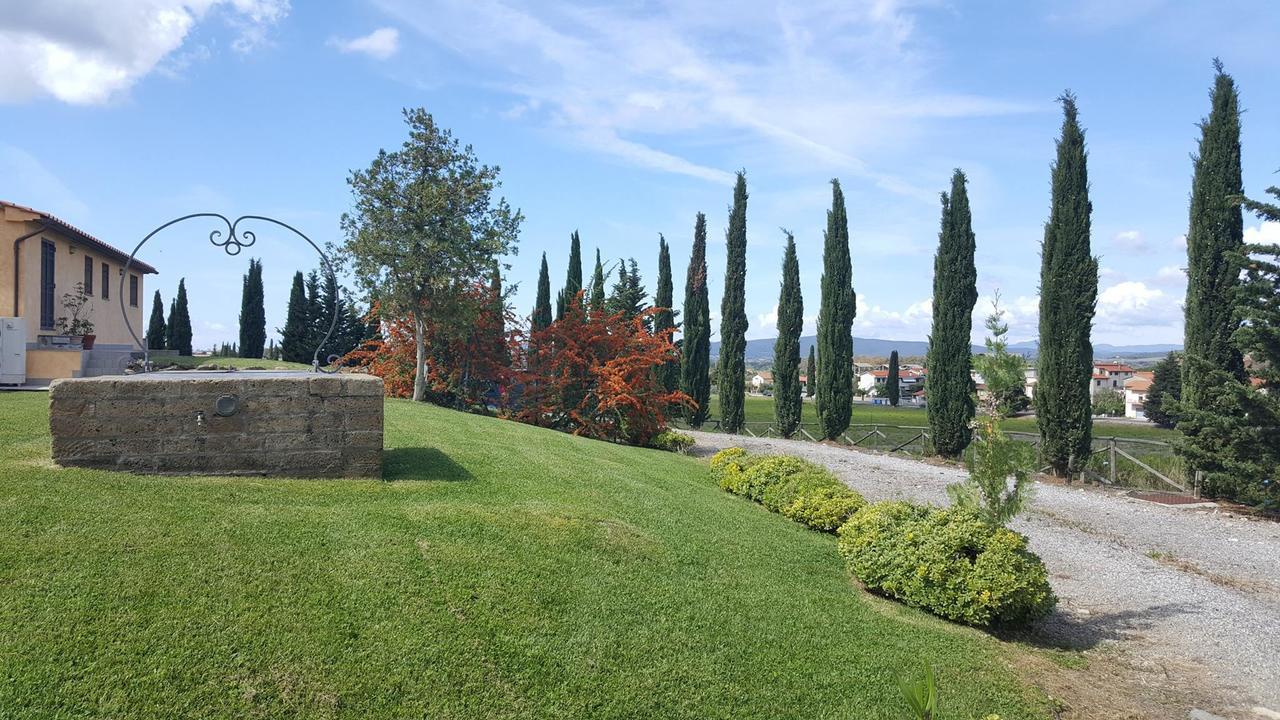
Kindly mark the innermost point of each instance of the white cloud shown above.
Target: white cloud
(379, 44)
(1180, 242)
(910, 323)
(1134, 304)
(768, 322)
(815, 83)
(87, 52)
(1264, 233)
(1171, 275)
(1130, 241)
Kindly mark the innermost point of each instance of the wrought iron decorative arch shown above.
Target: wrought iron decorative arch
(236, 240)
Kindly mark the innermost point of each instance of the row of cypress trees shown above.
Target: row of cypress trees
(175, 332)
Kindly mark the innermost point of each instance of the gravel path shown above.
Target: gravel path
(1191, 595)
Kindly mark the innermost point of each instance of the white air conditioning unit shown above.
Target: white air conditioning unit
(13, 351)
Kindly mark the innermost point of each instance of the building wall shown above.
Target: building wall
(69, 267)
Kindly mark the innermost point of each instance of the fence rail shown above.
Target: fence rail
(1117, 461)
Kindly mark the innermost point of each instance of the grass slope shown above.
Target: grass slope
(760, 409)
(502, 571)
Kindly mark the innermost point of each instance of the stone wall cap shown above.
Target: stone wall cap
(215, 375)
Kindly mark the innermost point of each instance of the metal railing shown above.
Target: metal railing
(1115, 461)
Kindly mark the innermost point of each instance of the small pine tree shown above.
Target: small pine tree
(628, 294)
(1068, 299)
(181, 322)
(295, 335)
(811, 372)
(835, 323)
(892, 385)
(253, 314)
(1160, 406)
(542, 305)
(156, 328)
(733, 314)
(597, 298)
(787, 401)
(695, 357)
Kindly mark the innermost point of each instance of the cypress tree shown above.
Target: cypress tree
(733, 314)
(156, 329)
(787, 402)
(892, 388)
(318, 315)
(253, 314)
(811, 372)
(597, 286)
(498, 314)
(542, 305)
(949, 383)
(1068, 297)
(835, 322)
(628, 294)
(182, 322)
(170, 327)
(1164, 393)
(664, 317)
(573, 278)
(1214, 237)
(695, 356)
(296, 333)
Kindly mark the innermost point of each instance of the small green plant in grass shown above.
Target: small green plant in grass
(921, 694)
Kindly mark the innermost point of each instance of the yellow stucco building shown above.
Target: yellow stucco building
(42, 258)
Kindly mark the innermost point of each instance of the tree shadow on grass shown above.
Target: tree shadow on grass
(419, 463)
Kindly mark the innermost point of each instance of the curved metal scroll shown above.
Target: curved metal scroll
(236, 240)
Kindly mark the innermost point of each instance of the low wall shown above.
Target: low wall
(247, 422)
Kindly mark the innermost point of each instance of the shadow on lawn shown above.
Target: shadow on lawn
(419, 463)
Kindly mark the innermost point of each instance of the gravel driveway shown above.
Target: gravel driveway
(1189, 597)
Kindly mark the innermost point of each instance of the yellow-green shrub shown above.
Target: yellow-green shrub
(949, 562)
(796, 488)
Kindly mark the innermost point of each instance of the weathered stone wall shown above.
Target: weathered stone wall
(290, 424)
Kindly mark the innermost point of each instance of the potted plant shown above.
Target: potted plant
(78, 328)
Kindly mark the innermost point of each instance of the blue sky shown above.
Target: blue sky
(623, 120)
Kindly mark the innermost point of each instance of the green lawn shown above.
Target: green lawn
(760, 409)
(230, 362)
(501, 571)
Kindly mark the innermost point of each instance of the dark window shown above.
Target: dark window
(46, 285)
(133, 290)
(88, 275)
(106, 281)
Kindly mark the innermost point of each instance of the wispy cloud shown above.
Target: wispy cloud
(380, 44)
(815, 84)
(87, 52)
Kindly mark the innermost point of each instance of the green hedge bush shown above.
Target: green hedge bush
(795, 488)
(948, 562)
(672, 441)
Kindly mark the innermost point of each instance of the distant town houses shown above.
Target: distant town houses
(1135, 394)
(1109, 376)
(762, 380)
(910, 382)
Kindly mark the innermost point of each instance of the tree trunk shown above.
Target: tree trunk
(420, 371)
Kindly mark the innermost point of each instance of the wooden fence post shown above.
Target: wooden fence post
(1112, 460)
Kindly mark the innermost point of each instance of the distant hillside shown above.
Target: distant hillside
(761, 351)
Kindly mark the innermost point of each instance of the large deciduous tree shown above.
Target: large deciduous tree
(695, 356)
(949, 384)
(253, 314)
(424, 230)
(835, 323)
(787, 401)
(733, 313)
(1068, 298)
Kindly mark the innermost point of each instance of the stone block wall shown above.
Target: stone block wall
(259, 423)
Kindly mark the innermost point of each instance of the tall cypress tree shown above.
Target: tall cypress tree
(835, 322)
(1068, 297)
(296, 334)
(892, 386)
(156, 329)
(1215, 236)
(498, 317)
(573, 277)
(787, 402)
(170, 327)
(253, 314)
(597, 285)
(542, 305)
(318, 314)
(811, 372)
(949, 383)
(695, 355)
(733, 313)
(182, 321)
(664, 316)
